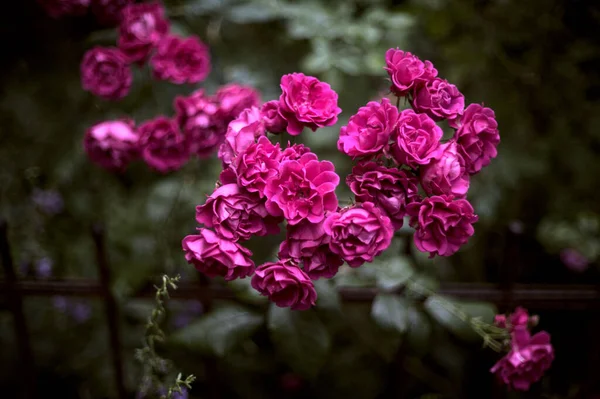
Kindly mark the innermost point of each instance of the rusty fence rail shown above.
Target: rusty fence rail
(14, 291)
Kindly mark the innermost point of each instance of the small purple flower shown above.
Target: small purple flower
(60, 303)
(49, 201)
(574, 260)
(81, 312)
(43, 268)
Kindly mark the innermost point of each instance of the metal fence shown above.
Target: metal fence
(505, 295)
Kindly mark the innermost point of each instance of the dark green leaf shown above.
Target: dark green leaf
(440, 308)
(419, 330)
(301, 339)
(393, 272)
(220, 330)
(390, 312)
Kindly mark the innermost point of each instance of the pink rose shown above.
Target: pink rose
(216, 256)
(307, 102)
(197, 116)
(527, 360)
(439, 99)
(273, 120)
(294, 152)
(181, 60)
(108, 12)
(112, 144)
(416, 140)
(142, 26)
(407, 71)
(303, 189)
(106, 73)
(257, 165)
(477, 137)
(234, 98)
(500, 320)
(236, 214)
(359, 233)
(307, 243)
(241, 133)
(446, 174)
(285, 284)
(368, 132)
(442, 225)
(388, 188)
(520, 317)
(59, 8)
(164, 147)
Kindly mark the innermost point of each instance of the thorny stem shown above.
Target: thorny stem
(154, 366)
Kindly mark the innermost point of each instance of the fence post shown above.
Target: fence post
(110, 306)
(15, 302)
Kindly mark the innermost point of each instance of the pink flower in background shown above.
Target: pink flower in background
(407, 71)
(164, 147)
(368, 132)
(446, 174)
(106, 73)
(574, 260)
(307, 243)
(108, 12)
(271, 117)
(416, 140)
(500, 320)
(388, 188)
(440, 100)
(60, 8)
(477, 137)
(236, 214)
(359, 233)
(285, 284)
(233, 98)
(303, 189)
(442, 225)
(181, 60)
(216, 256)
(142, 26)
(305, 101)
(197, 117)
(528, 359)
(241, 133)
(258, 165)
(112, 144)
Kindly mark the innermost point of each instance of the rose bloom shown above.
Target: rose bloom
(181, 60)
(59, 8)
(446, 174)
(164, 147)
(294, 152)
(359, 233)
(197, 116)
(112, 144)
(234, 98)
(285, 284)
(142, 26)
(303, 189)
(241, 133)
(407, 71)
(442, 225)
(388, 188)
(217, 256)
(305, 101)
(108, 12)
(274, 123)
(439, 99)
(368, 132)
(258, 165)
(236, 214)
(528, 359)
(416, 140)
(307, 243)
(106, 73)
(477, 137)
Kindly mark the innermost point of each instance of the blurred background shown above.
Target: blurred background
(535, 63)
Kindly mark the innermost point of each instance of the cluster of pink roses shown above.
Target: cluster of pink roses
(107, 12)
(166, 144)
(143, 36)
(528, 357)
(398, 150)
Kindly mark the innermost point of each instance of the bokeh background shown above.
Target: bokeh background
(535, 63)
